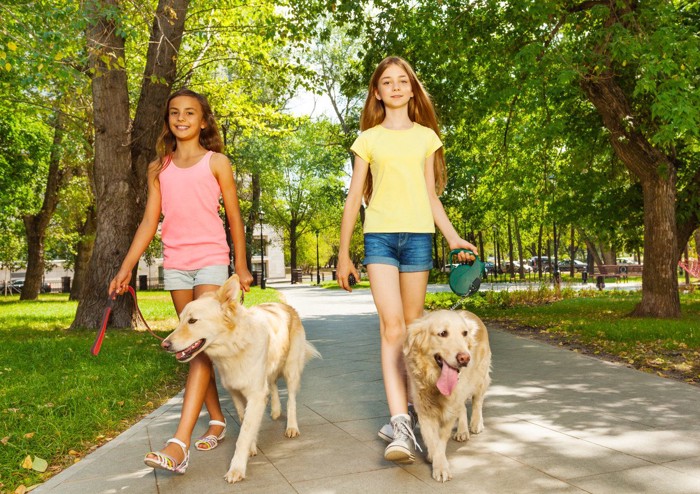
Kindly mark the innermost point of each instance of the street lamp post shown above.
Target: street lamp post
(318, 268)
(262, 253)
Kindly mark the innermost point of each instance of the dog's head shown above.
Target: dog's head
(204, 320)
(440, 344)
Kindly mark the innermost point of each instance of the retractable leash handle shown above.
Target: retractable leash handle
(465, 278)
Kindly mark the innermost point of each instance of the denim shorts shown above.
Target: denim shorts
(410, 252)
(177, 279)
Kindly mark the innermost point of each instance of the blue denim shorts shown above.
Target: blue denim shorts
(410, 252)
(177, 279)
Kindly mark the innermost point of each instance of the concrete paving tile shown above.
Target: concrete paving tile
(350, 410)
(657, 446)
(388, 480)
(490, 473)
(326, 451)
(653, 479)
(690, 466)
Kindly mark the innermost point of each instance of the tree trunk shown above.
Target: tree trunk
(35, 225)
(292, 246)
(519, 241)
(660, 296)
(114, 181)
(120, 170)
(657, 176)
(252, 217)
(697, 243)
(84, 248)
(538, 264)
(511, 269)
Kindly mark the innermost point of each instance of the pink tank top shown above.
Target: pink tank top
(192, 231)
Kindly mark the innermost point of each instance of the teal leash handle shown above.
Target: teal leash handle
(465, 277)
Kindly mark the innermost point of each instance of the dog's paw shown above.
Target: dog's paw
(291, 432)
(477, 427)
(441, 472)
(233, 476)
(253, 450)
(275, 414)
(461, 436)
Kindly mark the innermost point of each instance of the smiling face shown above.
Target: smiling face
(394, 87)
(185, 117)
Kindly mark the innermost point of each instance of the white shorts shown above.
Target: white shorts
(177, 279)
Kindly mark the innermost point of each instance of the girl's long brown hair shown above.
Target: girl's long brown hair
(209, 137)
(420, 110)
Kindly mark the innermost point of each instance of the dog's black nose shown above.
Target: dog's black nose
(463, 359)
(165, 344)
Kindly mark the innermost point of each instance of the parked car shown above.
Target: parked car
(15, 286)
(516, 265)
(542, 262)
(491, 268)
(565, 265)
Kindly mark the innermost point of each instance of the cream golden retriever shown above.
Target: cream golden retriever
(448, 359)
(251, 348)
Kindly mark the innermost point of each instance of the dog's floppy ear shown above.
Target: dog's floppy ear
(418, 333)
(230, 292)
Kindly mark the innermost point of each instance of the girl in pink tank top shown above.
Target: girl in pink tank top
(185, 184)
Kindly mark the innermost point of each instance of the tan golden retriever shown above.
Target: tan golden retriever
(251, 348)
(448, 359)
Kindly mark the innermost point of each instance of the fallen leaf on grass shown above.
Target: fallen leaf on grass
(73, 452)
(5, 440)
(29, 435)
(21, 489)
(40, 465)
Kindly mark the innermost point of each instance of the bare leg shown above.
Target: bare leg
(386, 291)
(400, 299)
(200, 386)
(413, 289)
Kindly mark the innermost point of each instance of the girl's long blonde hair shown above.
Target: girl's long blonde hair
(209, 137)
(420, 110)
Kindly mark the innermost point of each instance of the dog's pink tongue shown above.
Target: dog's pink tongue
(448, 379)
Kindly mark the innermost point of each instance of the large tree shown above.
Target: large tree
(122, 148)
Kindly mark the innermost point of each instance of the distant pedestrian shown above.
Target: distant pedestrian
(399, 170)
(185, 184)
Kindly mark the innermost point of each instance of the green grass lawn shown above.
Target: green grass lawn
(57, 401)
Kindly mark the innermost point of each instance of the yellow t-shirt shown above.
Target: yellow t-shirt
(399, 201)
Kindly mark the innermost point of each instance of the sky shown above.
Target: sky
(313, 105)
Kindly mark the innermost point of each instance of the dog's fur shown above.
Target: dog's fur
(251, 348)
(460, 340)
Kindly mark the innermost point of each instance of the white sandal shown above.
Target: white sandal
(167, 462)
(207, 443)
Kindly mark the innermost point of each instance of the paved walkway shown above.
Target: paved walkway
(556, 421)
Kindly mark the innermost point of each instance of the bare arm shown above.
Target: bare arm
(221, 168)
(440, 217)
(144, 233)
(347, 225)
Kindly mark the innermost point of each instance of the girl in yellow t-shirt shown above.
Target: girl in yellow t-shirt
(399, 170)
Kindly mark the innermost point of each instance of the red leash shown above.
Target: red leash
(105, 319)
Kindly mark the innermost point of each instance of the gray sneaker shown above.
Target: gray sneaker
(387, 431)
(401, 448)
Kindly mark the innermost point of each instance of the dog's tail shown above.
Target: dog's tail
(311, 352)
